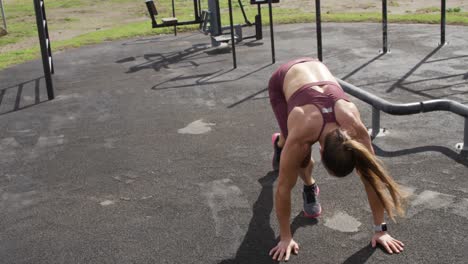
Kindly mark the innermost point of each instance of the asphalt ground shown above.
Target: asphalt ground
(156, 151)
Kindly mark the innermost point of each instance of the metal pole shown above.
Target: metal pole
(375, 122)
(233, 41)
(272, 36)
(197, 8)
(3, 16)
(173, 15)
(442, 22)
(318, 21)
(384, 26)
(47, 38)
(44, 51)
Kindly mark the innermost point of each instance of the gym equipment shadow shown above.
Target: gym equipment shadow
(10, 104)
(157, 61)
(260, 237)
(403, 84)
(204, 79)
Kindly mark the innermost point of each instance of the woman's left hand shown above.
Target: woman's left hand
(389, 243)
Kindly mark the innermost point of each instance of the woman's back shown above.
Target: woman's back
(303, 73)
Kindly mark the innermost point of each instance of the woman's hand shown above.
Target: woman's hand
(389, 243)
(283, 250)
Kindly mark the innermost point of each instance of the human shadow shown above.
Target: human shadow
(361, 256)
(31, 88)
(260, 237)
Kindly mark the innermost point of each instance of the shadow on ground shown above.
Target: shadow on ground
(260, 237)
(31, 89)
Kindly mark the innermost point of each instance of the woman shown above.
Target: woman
(310, 107)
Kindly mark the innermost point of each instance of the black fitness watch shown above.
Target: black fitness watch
(380, 228)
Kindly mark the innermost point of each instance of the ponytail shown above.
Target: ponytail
(371, 170)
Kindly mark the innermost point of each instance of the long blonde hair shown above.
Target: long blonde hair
(341, 155)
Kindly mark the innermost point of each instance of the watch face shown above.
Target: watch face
(384, 227)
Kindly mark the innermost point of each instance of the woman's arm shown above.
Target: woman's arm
(291, 157)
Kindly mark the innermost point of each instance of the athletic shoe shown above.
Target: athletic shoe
(312, 208)
(276, 151)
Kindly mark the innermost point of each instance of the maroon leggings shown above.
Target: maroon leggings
(275, 90)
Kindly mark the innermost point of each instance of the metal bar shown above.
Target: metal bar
(233, 40)
(42, 42)
(405, 109)
(442, 22)
(174, 15)
(196, 9)
(272, 36)
(258, 23)
(3, 15)
(192, 22)
(318, 21)
(199, 9)
(375, 122)
(48, 42)
(384, 27)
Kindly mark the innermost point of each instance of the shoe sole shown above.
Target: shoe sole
(317, 214)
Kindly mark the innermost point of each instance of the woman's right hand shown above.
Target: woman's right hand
(283, 250)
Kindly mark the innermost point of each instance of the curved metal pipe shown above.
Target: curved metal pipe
(404, 109)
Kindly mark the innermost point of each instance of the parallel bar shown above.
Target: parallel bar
(233, 40)
(405, 109)
(272, 36)
(44, 51)
(318, 21)
(3, 16)
(384, 27)
(442, 22)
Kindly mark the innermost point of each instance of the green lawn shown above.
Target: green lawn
(21, 22)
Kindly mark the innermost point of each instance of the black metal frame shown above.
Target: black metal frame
(153, 13)
(44, 41)
(318, 22)
(384, 27)
(443, 7)
(272, 37)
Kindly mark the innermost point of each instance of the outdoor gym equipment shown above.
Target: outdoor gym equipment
(173, 21)
(378, 104)
(44, 41)
(210, 23)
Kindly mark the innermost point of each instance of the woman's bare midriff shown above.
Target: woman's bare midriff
(303, 73)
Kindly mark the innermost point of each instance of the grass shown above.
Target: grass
(21, 22)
